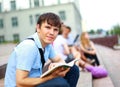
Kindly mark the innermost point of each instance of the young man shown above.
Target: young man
(62, 42)
(25, 63)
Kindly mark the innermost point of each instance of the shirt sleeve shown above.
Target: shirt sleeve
(52, 53)
(26, 53)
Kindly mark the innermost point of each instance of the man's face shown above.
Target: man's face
(47, 33)
(66, 31)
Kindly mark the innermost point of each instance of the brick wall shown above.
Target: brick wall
(108, 41)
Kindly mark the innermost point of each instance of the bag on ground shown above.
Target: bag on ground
(97, 71)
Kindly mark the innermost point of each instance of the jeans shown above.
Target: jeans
(72, 76)
(56, 82)
(70, 80)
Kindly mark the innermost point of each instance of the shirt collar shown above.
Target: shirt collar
(37, 40)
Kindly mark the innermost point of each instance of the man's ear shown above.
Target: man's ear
(38, 28)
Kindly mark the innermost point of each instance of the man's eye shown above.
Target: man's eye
(56, 29)
(47, 27)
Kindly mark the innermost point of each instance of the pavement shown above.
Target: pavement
(108, 57)
(5, 50)
(111, 60)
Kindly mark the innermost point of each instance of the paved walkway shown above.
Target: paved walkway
(5, 50)
(111, 60)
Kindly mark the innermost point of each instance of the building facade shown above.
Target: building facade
(18, 23)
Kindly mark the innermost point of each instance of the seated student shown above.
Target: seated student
(83, 57)
(26, 62)
(62, 41)
(96, 71)
(88, 49)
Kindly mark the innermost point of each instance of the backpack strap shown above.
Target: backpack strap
(41, 53)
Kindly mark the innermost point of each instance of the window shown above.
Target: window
(2, 39)
(36, 17)
(16, 38)
(13, 5)
(30, 4)
(14, 21)
(31, 19)
(36, 3)
(62, 15)
(1, 23)
(0, 7)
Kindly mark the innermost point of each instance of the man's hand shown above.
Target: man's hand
(61, 71)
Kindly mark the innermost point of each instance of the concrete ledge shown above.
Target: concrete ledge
(116, 47)
(106, 82)
(85, 79)
(2, 71)
(103, 82)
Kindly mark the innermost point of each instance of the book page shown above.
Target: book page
(65, 65)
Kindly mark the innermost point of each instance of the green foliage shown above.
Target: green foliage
(107, 32)
(112, 31)
(7, 42)
(91, 31)
(99, 31)
(115, 30)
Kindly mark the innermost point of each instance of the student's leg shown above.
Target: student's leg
(88, 56)
(96, 59)
(73, 76)
(56, 82)
(91, 57)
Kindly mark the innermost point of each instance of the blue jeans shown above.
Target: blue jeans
(56, 82)
(70, 80)
(72, 76)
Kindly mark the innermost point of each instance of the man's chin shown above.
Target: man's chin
(49, 42)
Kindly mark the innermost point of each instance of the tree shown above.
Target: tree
(91, 31)
(116, 31)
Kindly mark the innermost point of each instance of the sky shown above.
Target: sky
(100, 14)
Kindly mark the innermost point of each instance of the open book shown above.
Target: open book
(65, 65)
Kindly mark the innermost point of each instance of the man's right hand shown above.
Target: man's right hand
(60, 72)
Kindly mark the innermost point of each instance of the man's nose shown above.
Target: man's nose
(51, 31)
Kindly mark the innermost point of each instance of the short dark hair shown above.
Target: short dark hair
(68, 27)
(51, 19)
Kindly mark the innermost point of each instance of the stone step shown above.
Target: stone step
(103, 82)
(85, 79)
(107, 81)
